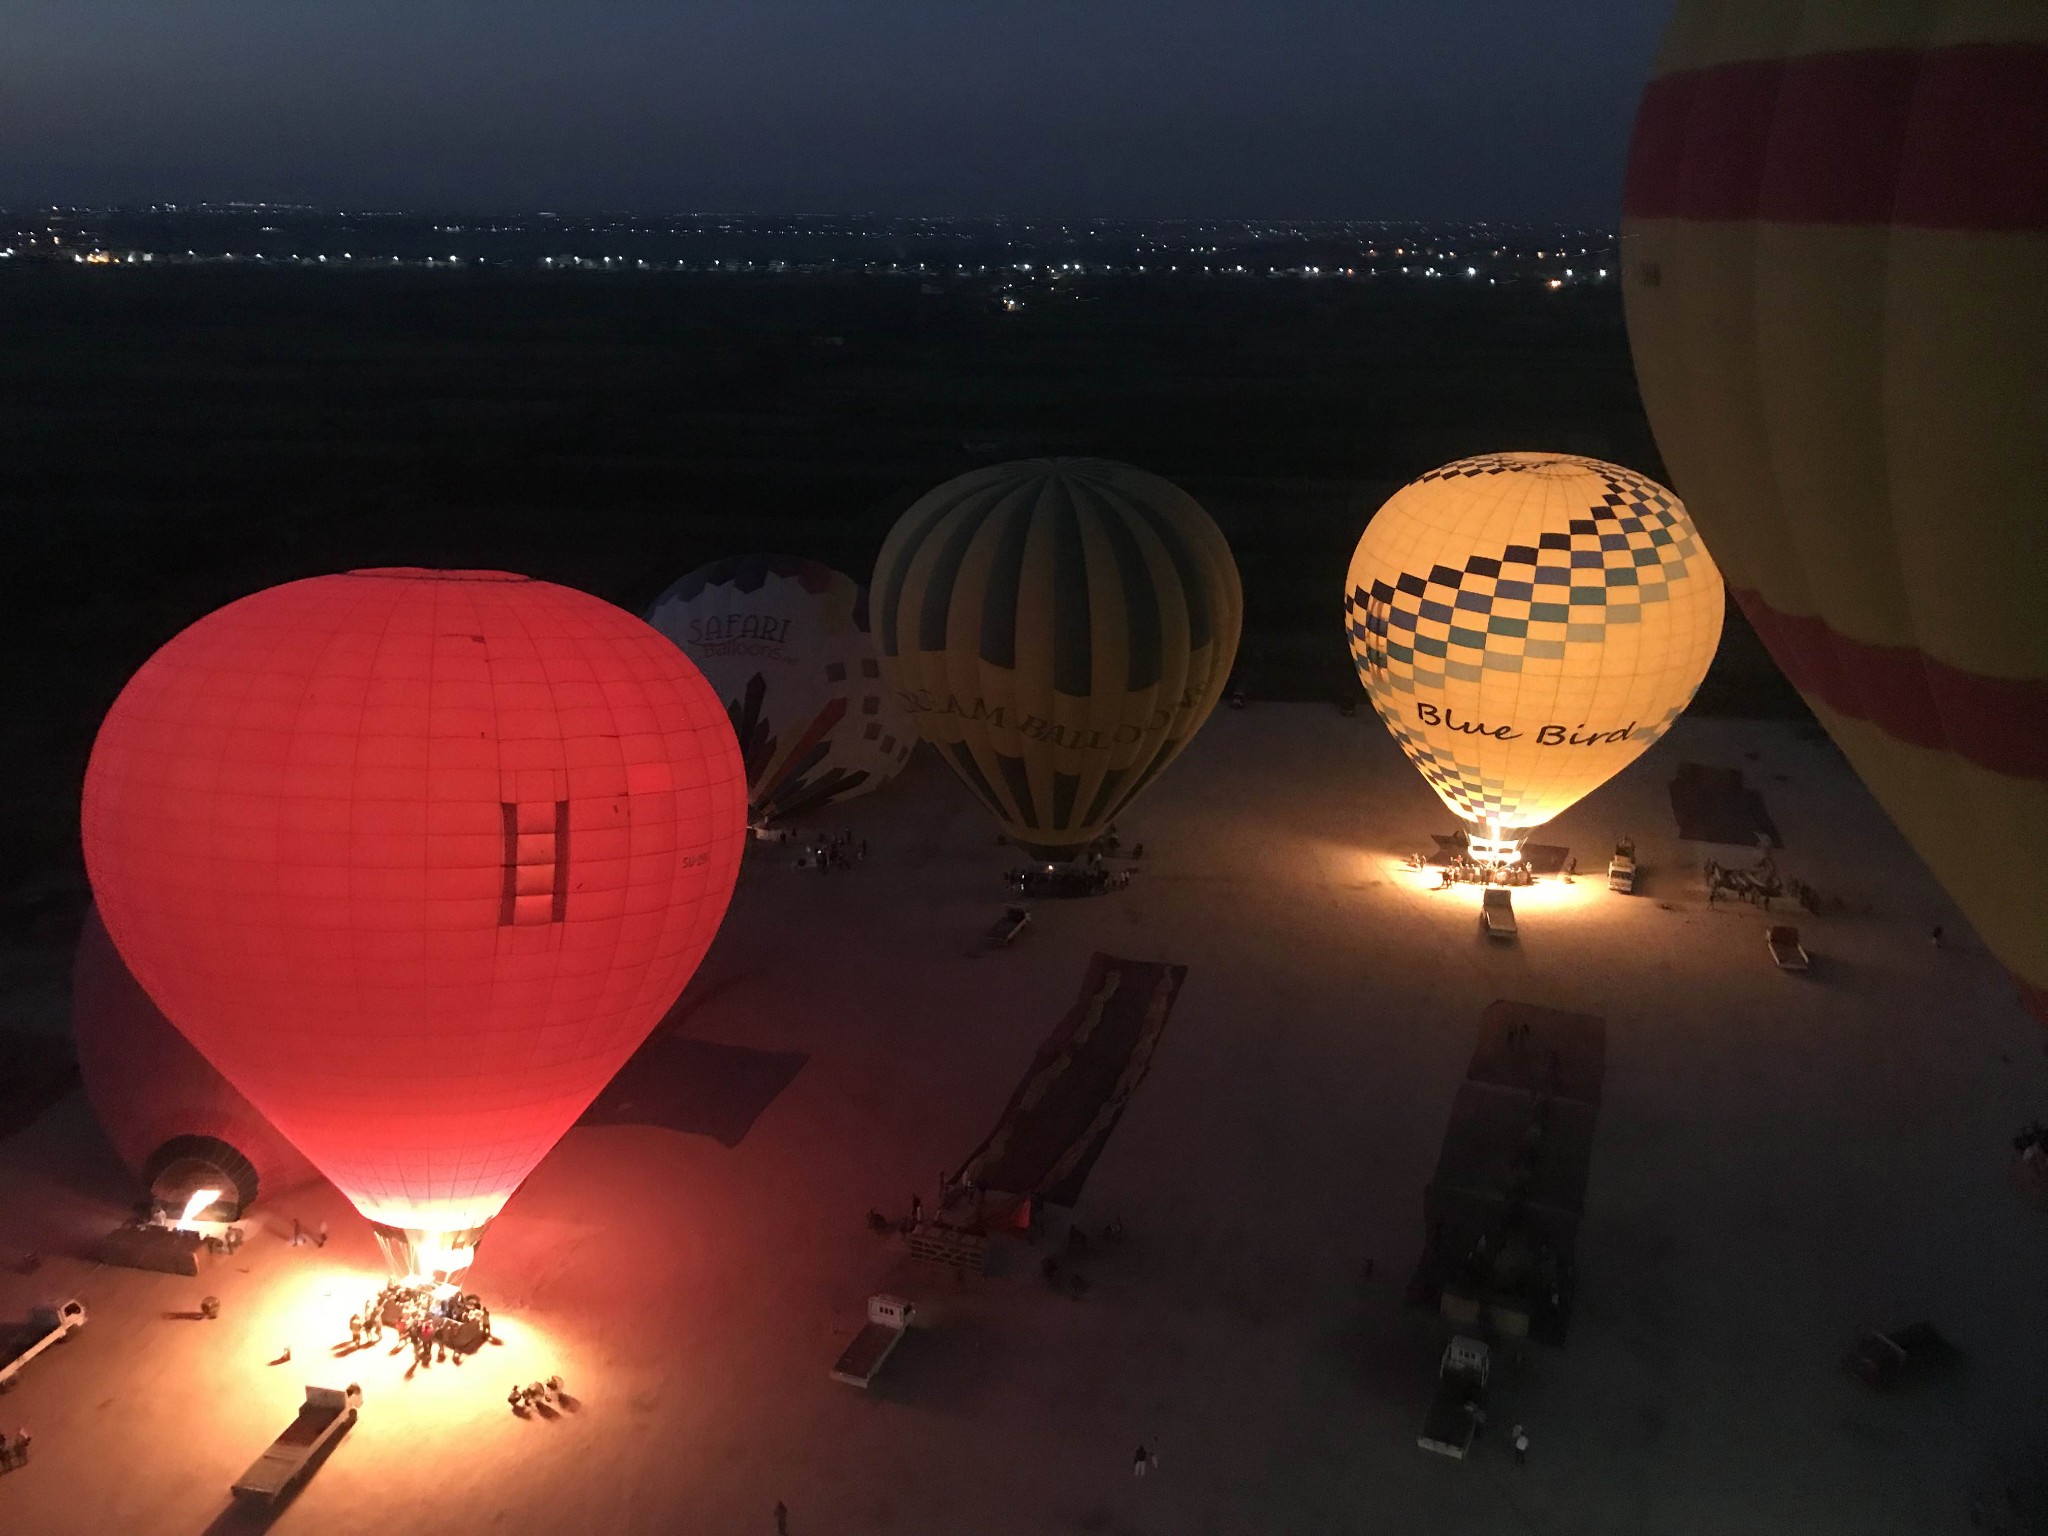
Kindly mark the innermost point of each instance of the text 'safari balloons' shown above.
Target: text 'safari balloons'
(1835, 262)
(1060, 628)
(1526, 624)
(416, 859)
(785, 644)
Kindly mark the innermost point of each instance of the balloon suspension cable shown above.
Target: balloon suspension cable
(424, 1256)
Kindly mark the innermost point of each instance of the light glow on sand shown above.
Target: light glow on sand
(1551, 893)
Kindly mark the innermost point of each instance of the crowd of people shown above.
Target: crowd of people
(832, 850)
(1090, 877)
(1760, 884)
(1463, 869)
(537, 1395)
(436, 1326)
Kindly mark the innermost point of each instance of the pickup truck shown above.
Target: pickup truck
(1901, 1357)
(862, 1360)
(1621, 869)
(46, 1326)
(1004, 932)
(1782, 939)
(326, 1416)
(1452, 1418)
(1497, 913)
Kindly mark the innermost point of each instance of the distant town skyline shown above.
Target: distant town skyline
(1467, 109)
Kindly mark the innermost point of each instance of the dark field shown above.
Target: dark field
(176, 438)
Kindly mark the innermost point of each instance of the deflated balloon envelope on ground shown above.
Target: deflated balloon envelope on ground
(1835, 264)
(175, 1121)
(1060, 628)
(785, 644)
(416, 859)
(1527, 624)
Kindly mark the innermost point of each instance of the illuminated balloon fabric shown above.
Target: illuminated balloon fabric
(1836, 273)
(1527, 624)
(785, 643)
(1060, 628)
(417, 859)
(148, 1086)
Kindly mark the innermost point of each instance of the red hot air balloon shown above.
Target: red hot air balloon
(417, 859)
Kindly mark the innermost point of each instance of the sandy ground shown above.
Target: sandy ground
(1779, 1161)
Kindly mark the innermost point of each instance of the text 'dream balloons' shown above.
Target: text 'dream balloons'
(1526, 624)
(785, 644)
(1835, 239)
(1059, 628)
(416, 859)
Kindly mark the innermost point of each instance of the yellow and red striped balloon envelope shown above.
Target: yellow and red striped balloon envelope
(1835, 246)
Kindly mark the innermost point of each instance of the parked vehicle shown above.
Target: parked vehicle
(46, 1326)
(326, 1416)
(862, 1360)
(1782, 939)
(1497, 913)
(1901, 1357)
(1452, 1418)
(1009, 926)
(1621, 869)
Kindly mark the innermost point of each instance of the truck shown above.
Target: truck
(45, 1326)
(1452, 1418)
(1497, 913)
(1901, 1357)
(1621, 868)
(1005, 930)
(323, 1419)
(1782, 939)
(861, 1361)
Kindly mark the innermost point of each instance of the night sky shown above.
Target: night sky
(1432, 109)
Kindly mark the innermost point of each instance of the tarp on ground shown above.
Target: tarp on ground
(1713, 805)
(1061, 1116)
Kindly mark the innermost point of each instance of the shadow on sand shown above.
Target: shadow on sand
(695, 1086)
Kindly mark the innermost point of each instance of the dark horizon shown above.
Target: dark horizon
(224, 205)
(1473, 110)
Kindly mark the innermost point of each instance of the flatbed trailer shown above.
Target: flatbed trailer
(862, 1360)
(1452, 1418)
(1497, 913)
(46, 1326)
(326, 1416)
(1782, 940)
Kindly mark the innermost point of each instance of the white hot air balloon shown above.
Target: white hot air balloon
(785, 643)
(1526, 625)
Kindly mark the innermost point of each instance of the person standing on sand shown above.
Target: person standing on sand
(781, 1518)
(1521, 1446)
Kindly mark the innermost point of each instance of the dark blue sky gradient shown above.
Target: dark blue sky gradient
(1481, 109)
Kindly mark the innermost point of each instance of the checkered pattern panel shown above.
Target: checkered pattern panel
(1518, 603)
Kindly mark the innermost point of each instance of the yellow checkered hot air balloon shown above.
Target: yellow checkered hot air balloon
(1526, 625)
(1060, 628)
(1835, 261)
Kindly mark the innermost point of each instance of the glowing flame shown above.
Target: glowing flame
(199, 1201)
(437, 1260)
